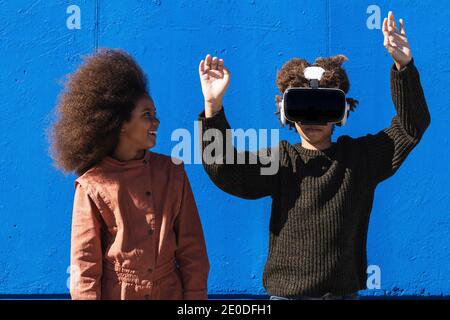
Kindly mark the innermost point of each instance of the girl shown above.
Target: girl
(136, 232)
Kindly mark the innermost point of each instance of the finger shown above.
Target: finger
(220, 65)
(226, 73)
(402, 27)
(214, 63)
(201, 67)
(392, 19)
(385, 25)
(391, 24)
(385, 33)
(208, 62)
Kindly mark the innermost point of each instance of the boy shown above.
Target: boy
(323, 192)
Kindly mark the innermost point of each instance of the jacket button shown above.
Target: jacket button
(147, 297)
(148, 193)
(150, 270)
(144, 161)
(150, 231)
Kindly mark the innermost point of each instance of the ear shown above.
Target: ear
(280, 110)
(278, 100)
(332, 128)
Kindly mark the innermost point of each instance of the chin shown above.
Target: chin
(313, 142)
(314, 139)
(150, 143)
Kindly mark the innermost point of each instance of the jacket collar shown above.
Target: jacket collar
(112, 162)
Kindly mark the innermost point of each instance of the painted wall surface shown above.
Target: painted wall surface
(409, 234)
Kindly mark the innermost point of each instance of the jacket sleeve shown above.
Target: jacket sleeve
(191, 254)
(86, 250)
(247, 175)
(388, 149)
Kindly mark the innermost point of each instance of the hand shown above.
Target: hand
(396, 41)
(215, 78)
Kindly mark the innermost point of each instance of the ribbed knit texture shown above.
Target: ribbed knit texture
(321, 200)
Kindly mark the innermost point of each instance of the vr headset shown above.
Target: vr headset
(314, 105)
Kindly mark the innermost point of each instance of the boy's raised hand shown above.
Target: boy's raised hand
(396, 42)
(215, 78)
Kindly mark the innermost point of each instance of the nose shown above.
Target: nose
(155, 122)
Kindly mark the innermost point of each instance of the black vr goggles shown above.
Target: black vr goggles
(314, 105)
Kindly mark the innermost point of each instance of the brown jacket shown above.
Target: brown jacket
(136, 233)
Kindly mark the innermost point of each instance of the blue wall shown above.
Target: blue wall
(410, 226)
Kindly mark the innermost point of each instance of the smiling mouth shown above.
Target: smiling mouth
(151, 133)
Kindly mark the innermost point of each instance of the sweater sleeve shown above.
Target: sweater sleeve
(388, 149)
(86, 250)
(247, 175)
(191, 251)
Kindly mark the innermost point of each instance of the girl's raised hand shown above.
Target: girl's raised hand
(215, 78)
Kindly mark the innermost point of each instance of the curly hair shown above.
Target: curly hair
(291, 75)
(97, 99)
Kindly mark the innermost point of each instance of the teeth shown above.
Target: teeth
(152, 132)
